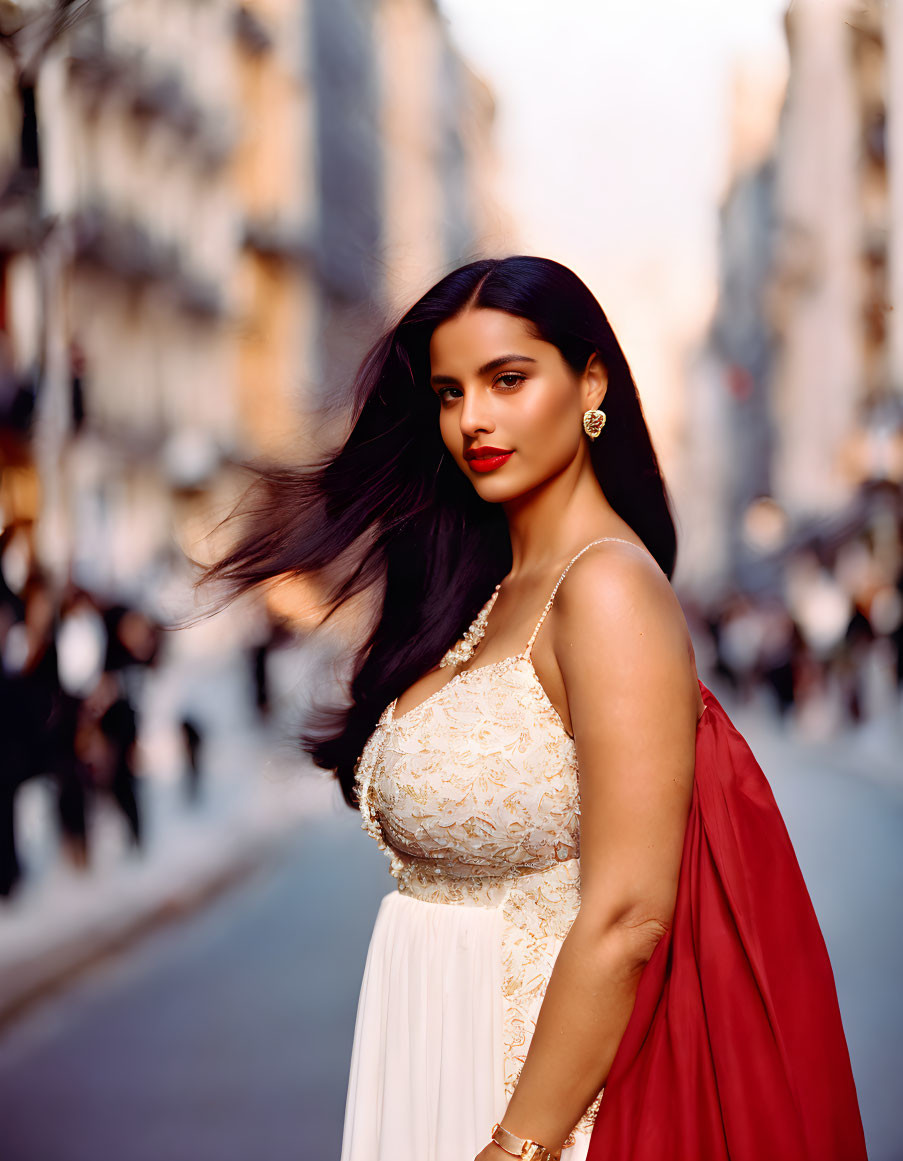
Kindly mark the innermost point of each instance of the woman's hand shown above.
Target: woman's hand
(492, 1152)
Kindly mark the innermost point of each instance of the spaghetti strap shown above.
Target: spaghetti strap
(526, 652)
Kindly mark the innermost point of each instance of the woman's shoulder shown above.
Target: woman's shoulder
(619, 572)
(617, 603)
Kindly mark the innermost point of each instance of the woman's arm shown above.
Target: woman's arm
(622, 645)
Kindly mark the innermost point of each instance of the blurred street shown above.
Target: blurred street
(229, 1037)
(225, 1037)
(208, 816)
(844, 811)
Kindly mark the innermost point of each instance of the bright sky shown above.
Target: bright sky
(613, 130)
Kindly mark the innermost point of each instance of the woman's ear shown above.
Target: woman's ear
(595, 381)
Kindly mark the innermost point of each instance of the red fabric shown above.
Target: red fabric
(735, 1050)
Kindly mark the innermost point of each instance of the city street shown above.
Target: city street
(227, 1036)
(845, 818)
(272, 276)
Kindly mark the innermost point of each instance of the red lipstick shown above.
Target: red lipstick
(485, 459)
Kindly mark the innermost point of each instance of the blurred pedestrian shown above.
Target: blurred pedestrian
(39, 722)
(780, 637)
(132, 644)
(193, 739)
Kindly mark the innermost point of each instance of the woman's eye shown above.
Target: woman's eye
(511, 379)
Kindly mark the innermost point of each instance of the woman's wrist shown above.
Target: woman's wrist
(492, 1152)
(526, 1148)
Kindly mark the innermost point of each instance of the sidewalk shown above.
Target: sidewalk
(257, 788)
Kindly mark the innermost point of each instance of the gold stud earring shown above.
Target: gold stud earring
(593, 422)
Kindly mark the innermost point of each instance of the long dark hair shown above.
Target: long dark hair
(395, 500)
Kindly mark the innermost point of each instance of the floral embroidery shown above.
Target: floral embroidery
(538, 914)
(474, 799)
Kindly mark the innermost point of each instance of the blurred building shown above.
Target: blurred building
(206, 209)
(437, 118)
(350, 156)
(121, 292)
(276, 185)
(727, 434)
(830, 299)
(799, 380)
(837, 393)
(406, 166)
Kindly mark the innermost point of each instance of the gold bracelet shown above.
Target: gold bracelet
(527, 1150)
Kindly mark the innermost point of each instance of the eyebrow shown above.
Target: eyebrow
(486, 368)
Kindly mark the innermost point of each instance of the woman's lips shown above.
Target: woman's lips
(488, 463)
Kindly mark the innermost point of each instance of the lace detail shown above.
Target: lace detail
(474, 799)
(538, 913)
(473, 795)
(364, 770)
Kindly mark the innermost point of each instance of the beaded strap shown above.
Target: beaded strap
(548, 606)
(464, 649)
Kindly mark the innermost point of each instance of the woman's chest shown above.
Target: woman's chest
(480, 774)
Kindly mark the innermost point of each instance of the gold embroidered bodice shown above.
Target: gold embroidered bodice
(473, 795)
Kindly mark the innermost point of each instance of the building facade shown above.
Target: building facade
(207, 209)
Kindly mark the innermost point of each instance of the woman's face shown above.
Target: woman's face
(499, 388)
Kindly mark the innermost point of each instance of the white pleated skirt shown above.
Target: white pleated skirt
(426, 1081)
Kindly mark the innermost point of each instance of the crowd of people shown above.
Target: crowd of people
(827, 642)
(73, 670)
(70, 677)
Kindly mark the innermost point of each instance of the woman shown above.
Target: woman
(624, 967)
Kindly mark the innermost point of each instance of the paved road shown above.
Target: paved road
(227, 1037)
(847, 830)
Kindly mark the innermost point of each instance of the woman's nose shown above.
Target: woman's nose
(475, 413)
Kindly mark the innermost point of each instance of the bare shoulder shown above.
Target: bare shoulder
(617, 620)
(617, 587)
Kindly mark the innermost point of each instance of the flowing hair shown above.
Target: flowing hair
(395, 499)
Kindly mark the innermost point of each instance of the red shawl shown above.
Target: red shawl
(735, 1050)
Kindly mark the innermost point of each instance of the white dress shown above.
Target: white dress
(473, 795)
